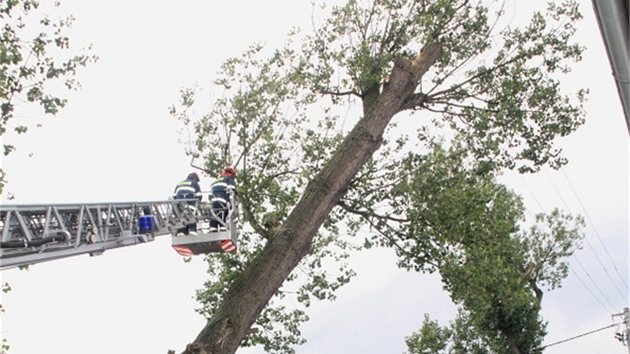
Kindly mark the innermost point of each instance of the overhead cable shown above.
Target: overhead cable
(582, 266)
(592, 281)
(586, 239)
(576, 337)
(591, 292)
(596, 233)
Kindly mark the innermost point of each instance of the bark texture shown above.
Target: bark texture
(254, 287)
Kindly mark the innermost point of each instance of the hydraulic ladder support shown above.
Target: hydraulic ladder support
(38, 233)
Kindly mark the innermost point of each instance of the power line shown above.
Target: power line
(586, 239)
(596, 233)
(566, 205)
(605, 270)
(589, 290)
(533, 195)
(578, 336)
(595, 284)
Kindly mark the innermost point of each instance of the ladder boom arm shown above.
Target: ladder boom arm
(38, 233)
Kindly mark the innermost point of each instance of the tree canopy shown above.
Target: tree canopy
(37, 63)
(391, 116)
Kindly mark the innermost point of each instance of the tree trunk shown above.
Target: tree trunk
(511, 339)
(254, 287)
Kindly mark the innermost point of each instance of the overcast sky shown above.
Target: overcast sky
(116, 142)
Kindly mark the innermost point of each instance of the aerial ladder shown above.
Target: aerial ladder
(38, 233)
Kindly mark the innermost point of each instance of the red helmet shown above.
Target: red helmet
(229, 171)
(194, 176)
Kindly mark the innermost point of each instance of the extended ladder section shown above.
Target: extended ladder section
(38, 233)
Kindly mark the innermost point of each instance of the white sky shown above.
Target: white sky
(116, 142)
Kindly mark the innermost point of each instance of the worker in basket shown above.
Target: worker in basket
(221, 190)
(188, 189)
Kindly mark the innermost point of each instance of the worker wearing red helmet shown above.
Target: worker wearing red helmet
(221, 189)
(188, 189)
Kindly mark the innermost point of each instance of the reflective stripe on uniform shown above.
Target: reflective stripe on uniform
(221, 200)
(187, 189)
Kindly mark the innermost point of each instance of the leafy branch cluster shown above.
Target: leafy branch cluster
(4, 346)
(35, 53)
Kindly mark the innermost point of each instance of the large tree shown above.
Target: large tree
(343, 129)
(495, 271)
(37, 63)
(454, 218)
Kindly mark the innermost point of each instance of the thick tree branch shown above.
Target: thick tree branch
(416, 101)
(427, 57)
(476, 76)
(249, 217)
(252, 289)
(344, 93)
(368, 215)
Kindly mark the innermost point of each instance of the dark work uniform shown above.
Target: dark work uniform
(188, 189)
(221, 190)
